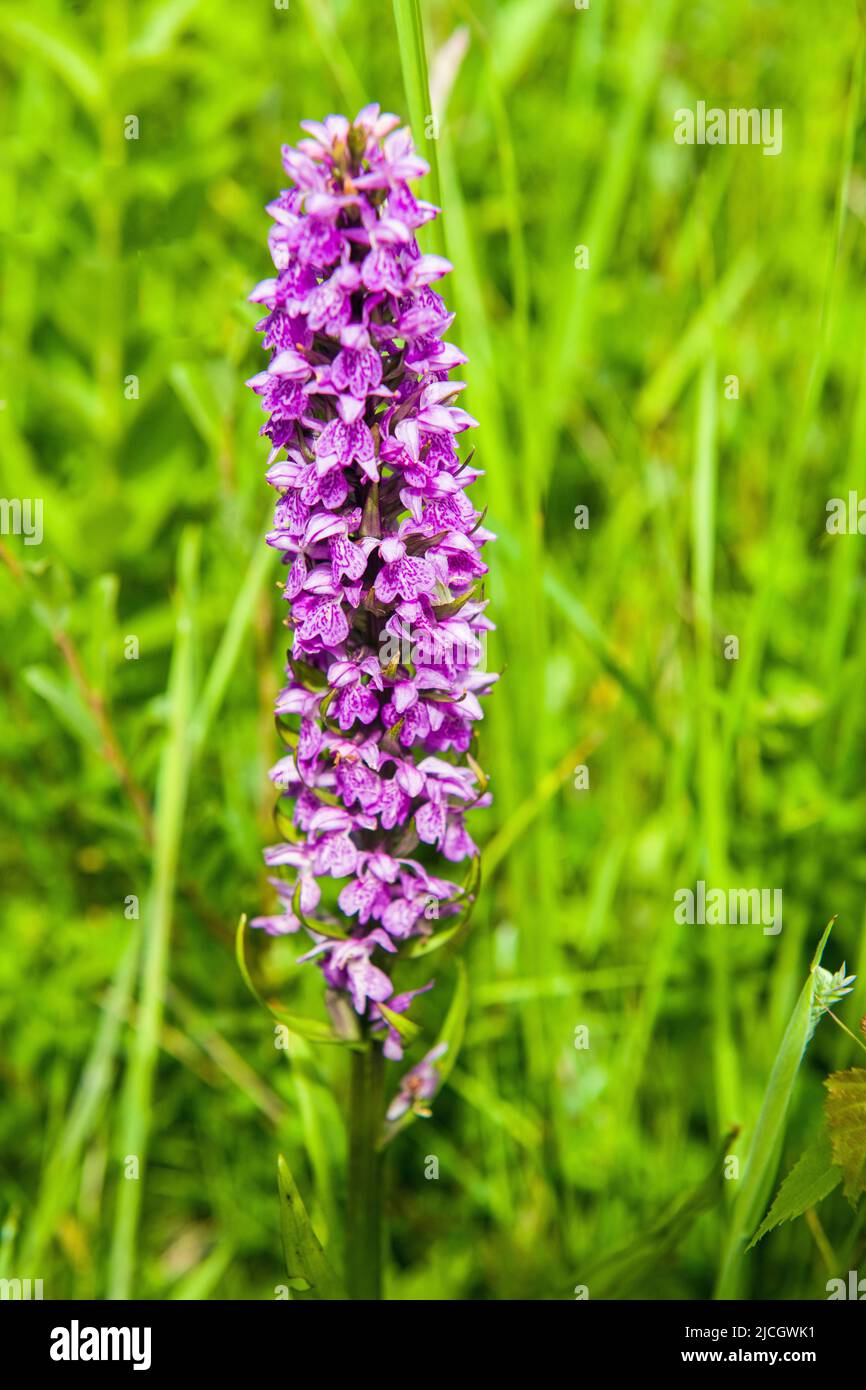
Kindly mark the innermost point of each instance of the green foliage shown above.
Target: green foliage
(621, 1272)
(767, 1138)
(846, 1117)
(310, 1274)
(812, 1178)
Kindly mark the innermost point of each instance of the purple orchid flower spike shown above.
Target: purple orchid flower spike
(383, 552)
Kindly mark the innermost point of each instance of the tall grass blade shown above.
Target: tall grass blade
(144, 1048)
(763, 1154)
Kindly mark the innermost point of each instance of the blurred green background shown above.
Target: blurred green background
(139, 768)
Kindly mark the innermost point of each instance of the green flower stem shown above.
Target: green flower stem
(846, 1029)
(364, 1243)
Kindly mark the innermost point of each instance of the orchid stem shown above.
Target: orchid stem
(364, 1246)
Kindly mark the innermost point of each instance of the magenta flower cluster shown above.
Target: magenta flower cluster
(383, 550)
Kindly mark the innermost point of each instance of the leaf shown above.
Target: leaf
(324, 706)
(480, 775)
(453, 606)
(310, 1028)
(160, 29)
(172, 795)
(305, 1259)
(286, 826)
(408, 1030)
(811, 1179)
(288, 736)
(328, 36)
(328, 929)
(520, 1122)
(580, 618)
(769, 1132)
(199, 398)
(241, 957)
(8, 1234)
(308, 675)
(845, 1107)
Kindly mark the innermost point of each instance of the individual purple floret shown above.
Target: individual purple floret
(382, 548)
(417, 1086)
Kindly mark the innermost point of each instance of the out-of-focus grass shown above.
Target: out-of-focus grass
(131, 258)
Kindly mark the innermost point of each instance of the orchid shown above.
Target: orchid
(383, 555)
(382, 548)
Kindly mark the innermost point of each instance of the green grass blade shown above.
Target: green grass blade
(56, 1190)
(413, 59)
(170, 807)
(226, 655)
(769, 1132)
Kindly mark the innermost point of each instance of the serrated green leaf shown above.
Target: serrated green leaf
(310, 1272)
(845, 1108)
(811, 1179)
